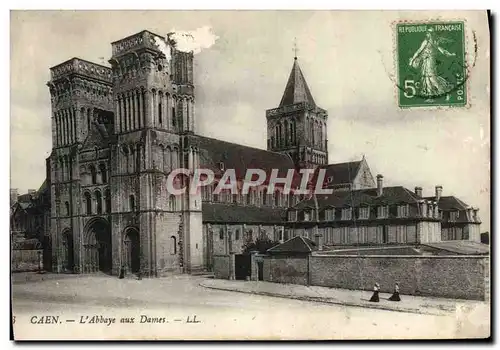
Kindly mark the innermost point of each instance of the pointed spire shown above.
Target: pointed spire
(296, 89)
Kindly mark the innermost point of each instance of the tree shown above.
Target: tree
(261, 245)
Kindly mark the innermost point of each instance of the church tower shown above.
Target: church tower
(81, 95)
(298, 126)
(154, 232)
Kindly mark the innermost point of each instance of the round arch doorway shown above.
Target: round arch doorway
(132, 250)
(97, 246)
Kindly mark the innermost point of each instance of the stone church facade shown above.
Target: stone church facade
(118, 132)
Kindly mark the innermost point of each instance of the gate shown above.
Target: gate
(260, 267)
(243, 266)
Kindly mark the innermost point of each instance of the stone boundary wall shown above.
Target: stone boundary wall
(23, 260)
(460, 277)
(222, 266)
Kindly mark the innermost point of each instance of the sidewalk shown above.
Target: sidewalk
(411, 304)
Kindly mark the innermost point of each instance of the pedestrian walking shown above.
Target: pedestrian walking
(375, 297)
(122, 273)
(395, 296)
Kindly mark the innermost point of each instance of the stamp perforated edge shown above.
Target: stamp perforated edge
(396, 68)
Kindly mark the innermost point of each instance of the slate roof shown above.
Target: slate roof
(43, 186)
(449, 203)
(363, 197)
(342, 173)
(297, 244)
(461, 247)
(226, 213)
(26, 198)
(24, 205)
(296, 89)
(239, 157)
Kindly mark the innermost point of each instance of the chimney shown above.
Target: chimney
(380, 185)
(418, 191)
(318, 238)
(439, 192)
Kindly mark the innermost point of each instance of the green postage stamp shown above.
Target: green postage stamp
(431, 64)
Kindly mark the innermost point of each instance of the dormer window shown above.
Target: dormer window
(382, 212)
(330, 179)
(403, 211)
(364, 213)
(292, 215)
(347, 214)
(307, 215)
(329, 214)
(454, 215)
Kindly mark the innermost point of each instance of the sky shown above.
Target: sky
(347, 57)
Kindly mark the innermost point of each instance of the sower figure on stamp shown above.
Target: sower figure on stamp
(375, 297)
(395, 295)
(425, 60)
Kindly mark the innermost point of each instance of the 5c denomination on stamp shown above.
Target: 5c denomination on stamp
(431, 64)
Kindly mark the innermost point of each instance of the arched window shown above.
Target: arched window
(174, 245)
(104, 174)
(286, 139)
(294, 132)
(132, 202)
(160, 120)
(264, 197)
(138, 158)
(221, 234)
(277, 136)
(174, 117)
(215, 196)
(88, 203)
(277, 196)
(291, 131)
(175, 158)
(107, 194)
(89, 119)
(280, 133)
(171, 202)
(98, 200)
(93, 174)
(66, 205)
(313, 132)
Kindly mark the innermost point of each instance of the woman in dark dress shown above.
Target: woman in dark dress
(375, 297)
(395, 296)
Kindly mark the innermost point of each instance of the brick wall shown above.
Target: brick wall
(459, 277)
(285, 269)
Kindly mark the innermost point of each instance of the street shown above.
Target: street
(177, 308)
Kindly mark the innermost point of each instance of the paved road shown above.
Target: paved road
(222, 315)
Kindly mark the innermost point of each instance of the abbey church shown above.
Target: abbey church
(118, 132)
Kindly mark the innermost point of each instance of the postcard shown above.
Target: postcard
(250, 175)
